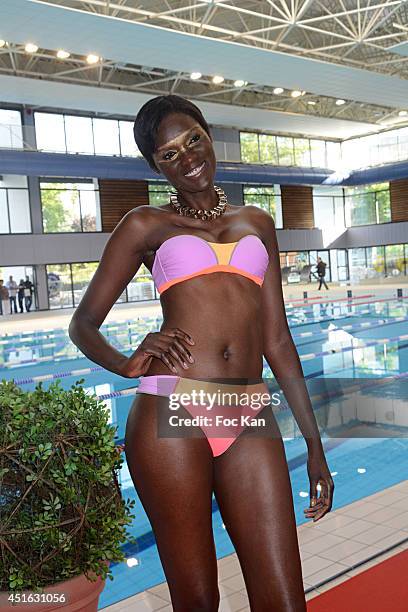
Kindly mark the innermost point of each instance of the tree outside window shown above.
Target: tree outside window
(70, 207)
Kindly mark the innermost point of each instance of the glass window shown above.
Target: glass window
(60, 208)
(249, 147)
(383, 206)
(14, 205)
(285, 151)
(11, 136)
(394, 260)
(367, 204)
(339, 220)
(106, 136)
(141, 287)
(70, 207)
(13, 180)
(59, 282)
(19, 210)
(128, 145)
(302, 152)
(91, 221)
(388, 146)
(79, 134)
(264, 197)
(159, 193)
(267, 149)
(375, 262)
(371, 149)
(318, 152)
(362, 208)
(50, 132)
(82, 274)
(403, 144)
(4, 218)
(342, 265)
(333, 150)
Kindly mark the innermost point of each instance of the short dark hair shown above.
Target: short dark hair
(150, 116)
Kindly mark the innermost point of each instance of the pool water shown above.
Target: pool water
(335, 340)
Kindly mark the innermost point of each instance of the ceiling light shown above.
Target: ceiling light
(403, 113)
(240, 83)
(2, 43)
(278, 90)
(217, 79)
(61, 54)
(311, 102)
(340, 102)
(31, 48)
(195, 76)
(296, 93)
(92, 59)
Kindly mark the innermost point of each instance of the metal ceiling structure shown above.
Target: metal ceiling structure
(364, 34)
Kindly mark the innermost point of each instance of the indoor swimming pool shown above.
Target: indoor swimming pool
(350, 339)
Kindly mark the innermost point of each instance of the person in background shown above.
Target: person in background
(20, 294)
(321, 272)
(12, 289)
(4, 299)
(28, 293)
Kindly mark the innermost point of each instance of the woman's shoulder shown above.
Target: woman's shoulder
(255, 214)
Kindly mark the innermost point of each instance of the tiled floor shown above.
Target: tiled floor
(339, 546)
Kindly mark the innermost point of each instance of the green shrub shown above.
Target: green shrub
(61, 509)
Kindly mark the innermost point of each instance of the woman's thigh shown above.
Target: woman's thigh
(174, 480)
(253, 491)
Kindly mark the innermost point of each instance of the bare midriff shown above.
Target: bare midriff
(222, 313)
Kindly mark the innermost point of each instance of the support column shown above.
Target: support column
(41, 287)
(34, 195)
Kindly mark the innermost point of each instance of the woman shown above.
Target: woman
(220, 291)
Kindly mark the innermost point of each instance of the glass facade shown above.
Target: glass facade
(11, 131)
(266, 197)
(19, 273)
(300, 266)
(159, 193)
(288, 151)
(86, 135)
(373, 150)
(67, 284)
(14, 205)
(66, 133)
(70, 207)
(379, 262)
(367, 204)
(385, 147)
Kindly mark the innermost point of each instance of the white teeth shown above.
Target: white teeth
(195, 170)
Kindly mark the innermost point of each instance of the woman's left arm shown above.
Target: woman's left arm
(281, 354)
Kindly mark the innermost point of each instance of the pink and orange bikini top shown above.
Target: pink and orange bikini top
(182, 257)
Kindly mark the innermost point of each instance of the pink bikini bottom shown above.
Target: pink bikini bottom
(221, 410)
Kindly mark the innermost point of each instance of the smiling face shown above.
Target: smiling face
(184, 153)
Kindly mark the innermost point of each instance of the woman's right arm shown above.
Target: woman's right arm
(120, 261)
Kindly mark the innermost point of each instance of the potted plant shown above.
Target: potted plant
(62, 517)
